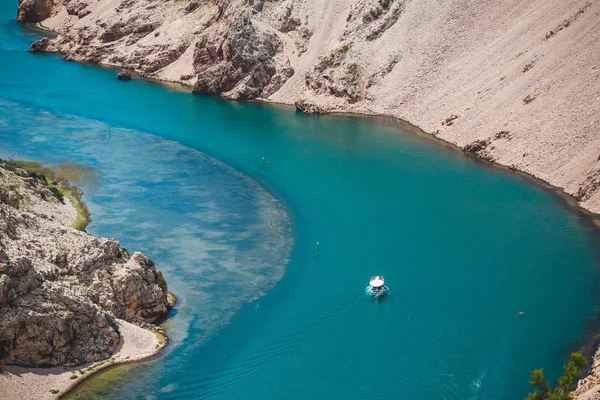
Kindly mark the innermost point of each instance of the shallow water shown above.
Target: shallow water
(463, 247)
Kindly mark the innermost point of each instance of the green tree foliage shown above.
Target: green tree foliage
(562, 390)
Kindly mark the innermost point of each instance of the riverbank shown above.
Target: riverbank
(439, 140)
(521, 92)
(67, 298)
(180, 374)
(329, 151)
(135, 344)
(58, 181)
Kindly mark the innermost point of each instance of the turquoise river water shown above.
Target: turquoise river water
(463, 246)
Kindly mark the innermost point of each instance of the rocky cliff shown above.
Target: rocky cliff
(514, 82)
(60, 288)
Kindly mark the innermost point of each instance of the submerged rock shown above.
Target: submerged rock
(61, 289)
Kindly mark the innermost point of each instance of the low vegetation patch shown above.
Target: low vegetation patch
(74, 376)
(565, 384)
(56, 179)
(159, 335)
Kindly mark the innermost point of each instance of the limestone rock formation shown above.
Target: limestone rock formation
(217, 47)
(531, 68)
(39, 46)
(240, 65)
(61, 289)
(34, 10)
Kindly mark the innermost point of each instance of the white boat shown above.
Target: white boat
(377, 286)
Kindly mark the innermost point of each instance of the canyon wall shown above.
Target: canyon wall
(514, 82)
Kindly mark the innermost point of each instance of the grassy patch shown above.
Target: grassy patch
(29, 166)
(342, 49)
(56, 179)
(161, 338)
(83, 215)
(74, 376)
(54, 391)
(171, 298)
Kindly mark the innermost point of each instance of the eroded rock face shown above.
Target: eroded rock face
(39, 46)
(34, 10)
(337, 74)
(75, 7)
(55, 324)
(241, 63)
(61, 289)
(215, 45)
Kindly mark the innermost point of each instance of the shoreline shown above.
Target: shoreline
(136, 344)
(406, 126)
(388, 119)
(568, 200)
(70, 193)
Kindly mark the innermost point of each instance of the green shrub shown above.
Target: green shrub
(562, 390)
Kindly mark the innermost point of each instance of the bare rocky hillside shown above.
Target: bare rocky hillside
(515, 82)
(60, 288)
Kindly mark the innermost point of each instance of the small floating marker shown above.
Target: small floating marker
(264, 162)
(318, 249)
(521, 313)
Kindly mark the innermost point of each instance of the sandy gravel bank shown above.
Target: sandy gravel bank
(49, 383)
